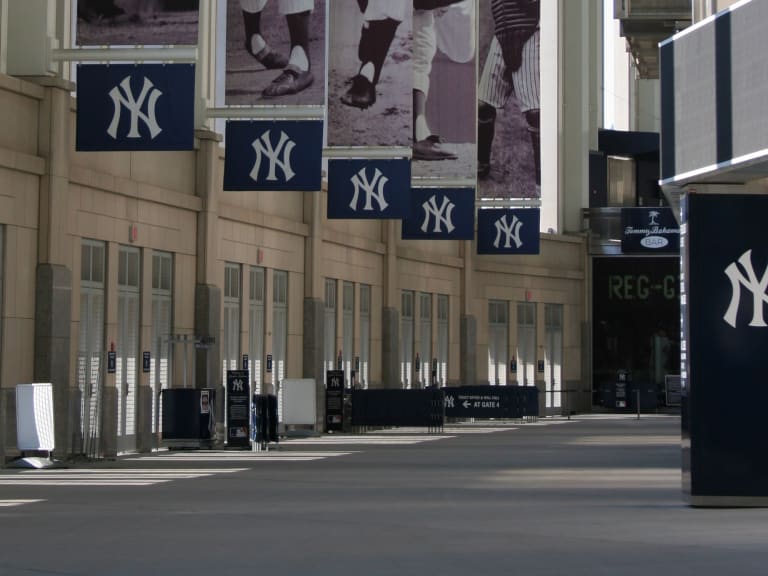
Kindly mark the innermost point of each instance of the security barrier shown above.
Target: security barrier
(423, 408)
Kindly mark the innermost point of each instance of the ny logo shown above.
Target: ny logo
(263, 147)
(449, 402)
(126, 99)
(237, 385)
(751, 283)
(442, 215)
(374, 190)
(511, 232)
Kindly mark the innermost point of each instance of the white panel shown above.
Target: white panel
(299, 401)
(34, 416)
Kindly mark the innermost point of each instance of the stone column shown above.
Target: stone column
(53, 289)
(208, 291)
(390, 314)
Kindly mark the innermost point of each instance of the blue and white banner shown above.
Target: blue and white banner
(135, 107)
(441, 214)
(508, 231)
(649, 230)
(272, 155)
(369, 188)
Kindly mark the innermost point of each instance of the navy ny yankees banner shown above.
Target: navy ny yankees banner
(508, 231)
(135, 107)
(369, 188)
(441, 214)
(724, 267)
(273, 155)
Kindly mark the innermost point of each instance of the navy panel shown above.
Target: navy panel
(727, 341)
(441, 214)
(135, 107)
(369, 188)
(508, 231)
(273, 155)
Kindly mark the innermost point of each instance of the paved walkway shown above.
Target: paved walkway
(594, 495)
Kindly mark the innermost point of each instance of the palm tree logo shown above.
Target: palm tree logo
(653, 214)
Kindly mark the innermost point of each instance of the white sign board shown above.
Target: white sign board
(299, 401)
(34, 417)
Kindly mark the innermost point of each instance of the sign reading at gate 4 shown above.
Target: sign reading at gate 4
(135, 107)
(508, 231)
(441, 214)
(273, 155)
(369, 188)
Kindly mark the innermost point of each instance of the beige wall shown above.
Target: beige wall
(108, 193)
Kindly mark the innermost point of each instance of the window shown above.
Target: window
(162, 325)
(498, 342)
(348, 330)
(425, 338)
(127, 367)
(256, 327)
(365, 335)
(231, 348)
(91, 342)
(553, 354)
(443, 310)
(329, 327)
(406, 342)
(279, 330)
(526, 343)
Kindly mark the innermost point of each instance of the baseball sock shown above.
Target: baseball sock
(375, 39)
(420, 126)
(253, 38)
(486, 130)
(298, 31)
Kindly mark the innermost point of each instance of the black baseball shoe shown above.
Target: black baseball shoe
(361, 94)
(432, 148)
(483, 170)
(267, 57)
(291, 81)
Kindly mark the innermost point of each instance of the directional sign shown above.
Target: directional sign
(490, 401)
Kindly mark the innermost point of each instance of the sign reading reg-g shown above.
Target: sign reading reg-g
(369, 188)
(441, 214)
(135, 107)
(508, 231)
(273, 155)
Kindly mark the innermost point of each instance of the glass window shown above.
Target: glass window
(425, 338)
(553, 354)
(256, 327)
(406, 342)
(498, 342)
(162, 327)
(91, 343)
(443, 309)
(526, 343)
(280, 331)
(348, 334)
(329, 327)
(127, 367)
(232, 306)
(365, 335)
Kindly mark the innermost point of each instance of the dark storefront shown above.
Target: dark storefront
(636, 329)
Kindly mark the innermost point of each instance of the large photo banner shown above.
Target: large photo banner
(508, 130)
(275, 52)
(370, 73)
(444, 88)
(137, 22)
